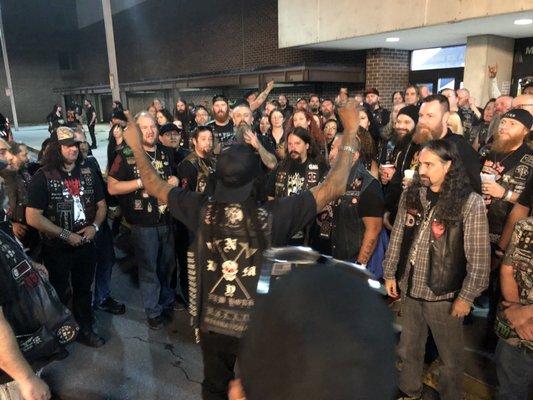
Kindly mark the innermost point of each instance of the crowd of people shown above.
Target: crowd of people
(432, 197)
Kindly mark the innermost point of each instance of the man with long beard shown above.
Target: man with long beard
(438, 261)
(394, 150)
(432, 124)
(300, 171)
(222, 124)
(506, 170)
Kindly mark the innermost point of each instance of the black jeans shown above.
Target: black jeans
(93, 136)
(73, 267)
(219, 353)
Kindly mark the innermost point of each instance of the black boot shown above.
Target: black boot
(89, 338)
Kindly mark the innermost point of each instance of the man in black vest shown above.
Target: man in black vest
(350, 225)
(66, 205)
(196, 168)
(506, 170)
(17, 378)
(432, 124)
(438, 260)
(232, 229)
(151, 227)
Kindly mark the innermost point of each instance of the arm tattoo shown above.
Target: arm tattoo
(367, 248)
(335, 183)
(267, 158)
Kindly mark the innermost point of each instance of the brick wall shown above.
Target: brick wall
(388, 71)
(170, 38)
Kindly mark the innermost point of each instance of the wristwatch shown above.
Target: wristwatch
(95, 225)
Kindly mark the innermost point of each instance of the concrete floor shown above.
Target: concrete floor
(138, 363)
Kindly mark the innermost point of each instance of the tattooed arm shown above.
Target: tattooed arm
(335, 183)
(152, 182)
(373, 227)
(262, 96)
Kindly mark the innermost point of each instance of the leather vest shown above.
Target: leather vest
(341, 222)
(514, 179)
(203, 168)
(225, 266)
(289, 182)
(71, 202)
(139, 204)
(447, 259)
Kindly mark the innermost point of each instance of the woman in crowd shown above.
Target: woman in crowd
(55, 118)
(277, 132)
(163, 117)
(368, 146)
(397, 97)
(478, 134)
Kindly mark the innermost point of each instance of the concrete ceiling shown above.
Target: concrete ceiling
(437, 35)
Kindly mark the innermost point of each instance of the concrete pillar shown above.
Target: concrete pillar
(387, 70)
(482, 51)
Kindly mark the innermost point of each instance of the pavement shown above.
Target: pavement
(34, 135)
(138, 363)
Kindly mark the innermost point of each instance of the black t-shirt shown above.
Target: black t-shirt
(224, 134)
(371, 202)
(138, 207)
(38, 195)
(526, 197)
(89, 115)
(188, 173)
(290, 214)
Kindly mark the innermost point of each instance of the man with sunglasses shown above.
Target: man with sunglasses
(66, 205)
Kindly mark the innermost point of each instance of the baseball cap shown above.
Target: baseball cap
(372, 90)
(520, 115)
(320, 330)
(220, 97)
(168, 128)
(411, 111)
(236, 168)
(66, 136)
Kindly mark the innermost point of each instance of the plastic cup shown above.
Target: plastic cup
(486, 178)
(409, 174)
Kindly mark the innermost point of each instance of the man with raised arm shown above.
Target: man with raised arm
(232, 229)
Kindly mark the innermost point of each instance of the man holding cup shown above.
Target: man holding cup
(506, 170)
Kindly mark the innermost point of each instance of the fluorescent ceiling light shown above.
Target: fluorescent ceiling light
(523, 21)
(394, 39)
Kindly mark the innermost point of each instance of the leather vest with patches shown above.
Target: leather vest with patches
(514, 179)
(141, 207)
(225, 266)
(71, 212)
(341, 222)
(447, 258)
(202, 168)
(290, 183)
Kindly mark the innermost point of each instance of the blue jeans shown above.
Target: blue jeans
(105, 254)
(514, 366)
(154, 255)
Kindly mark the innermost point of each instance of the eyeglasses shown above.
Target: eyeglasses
(172, 133)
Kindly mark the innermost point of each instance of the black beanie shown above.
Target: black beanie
(411, 111)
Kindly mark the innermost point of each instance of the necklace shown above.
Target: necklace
(152, 159)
